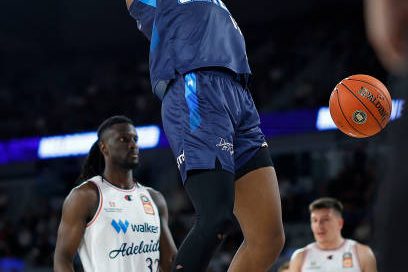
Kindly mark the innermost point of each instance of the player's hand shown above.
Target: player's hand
(387, 30)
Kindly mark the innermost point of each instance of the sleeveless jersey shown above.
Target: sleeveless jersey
(342, 259)
(124, 234)
(189, 34)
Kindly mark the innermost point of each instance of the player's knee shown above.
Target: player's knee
(218, 223)
(268, 245)
(215, 216)
(276, 239)
(224, 226)
(221, 224)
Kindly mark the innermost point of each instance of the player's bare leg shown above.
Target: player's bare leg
(258, 210)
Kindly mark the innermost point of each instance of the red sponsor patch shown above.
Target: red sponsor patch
(147, 204)
(347, 260)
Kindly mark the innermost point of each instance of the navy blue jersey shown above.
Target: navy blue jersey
(189, 34)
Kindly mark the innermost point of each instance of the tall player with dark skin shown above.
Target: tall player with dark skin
(199, 69)
(117, 148)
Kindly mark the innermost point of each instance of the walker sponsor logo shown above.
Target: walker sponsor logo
(119, 225)
(128, 249)
(145, 228)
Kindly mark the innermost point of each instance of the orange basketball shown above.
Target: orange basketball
(360, 106)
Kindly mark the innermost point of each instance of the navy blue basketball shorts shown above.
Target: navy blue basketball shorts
(208, 115)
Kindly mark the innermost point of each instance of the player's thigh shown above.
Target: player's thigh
(198, 124)
(257, 200)
(257, 204)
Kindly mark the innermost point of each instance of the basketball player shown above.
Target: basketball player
(199, 69)
(387, 28)
(330, 251)
(114, 223)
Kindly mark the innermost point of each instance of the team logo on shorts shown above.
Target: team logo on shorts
(359, 117)
(226, 146)
(264, 144)
(147, 205)
(180, 159)
(347, 260)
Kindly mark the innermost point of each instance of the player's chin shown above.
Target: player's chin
(320, 237)
(131, 164)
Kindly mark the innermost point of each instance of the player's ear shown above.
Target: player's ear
(341, 222)
(103, 148)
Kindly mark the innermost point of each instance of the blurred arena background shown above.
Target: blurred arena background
(67, 65)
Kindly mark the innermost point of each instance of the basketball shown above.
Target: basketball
(360, 106)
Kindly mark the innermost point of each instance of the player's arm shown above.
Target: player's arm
(296, 261)
(367, 258)
(387, 24)
(79, 206)
(168, 249)
(143, 11)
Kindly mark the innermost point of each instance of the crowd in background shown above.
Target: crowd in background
(48, 95)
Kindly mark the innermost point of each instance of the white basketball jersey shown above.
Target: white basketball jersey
(124, 234)
(342, 259)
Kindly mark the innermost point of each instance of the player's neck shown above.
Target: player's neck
(331, 245)
(120, 178)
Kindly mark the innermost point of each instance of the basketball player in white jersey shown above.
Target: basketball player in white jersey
(112, 221)
(331, 252)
